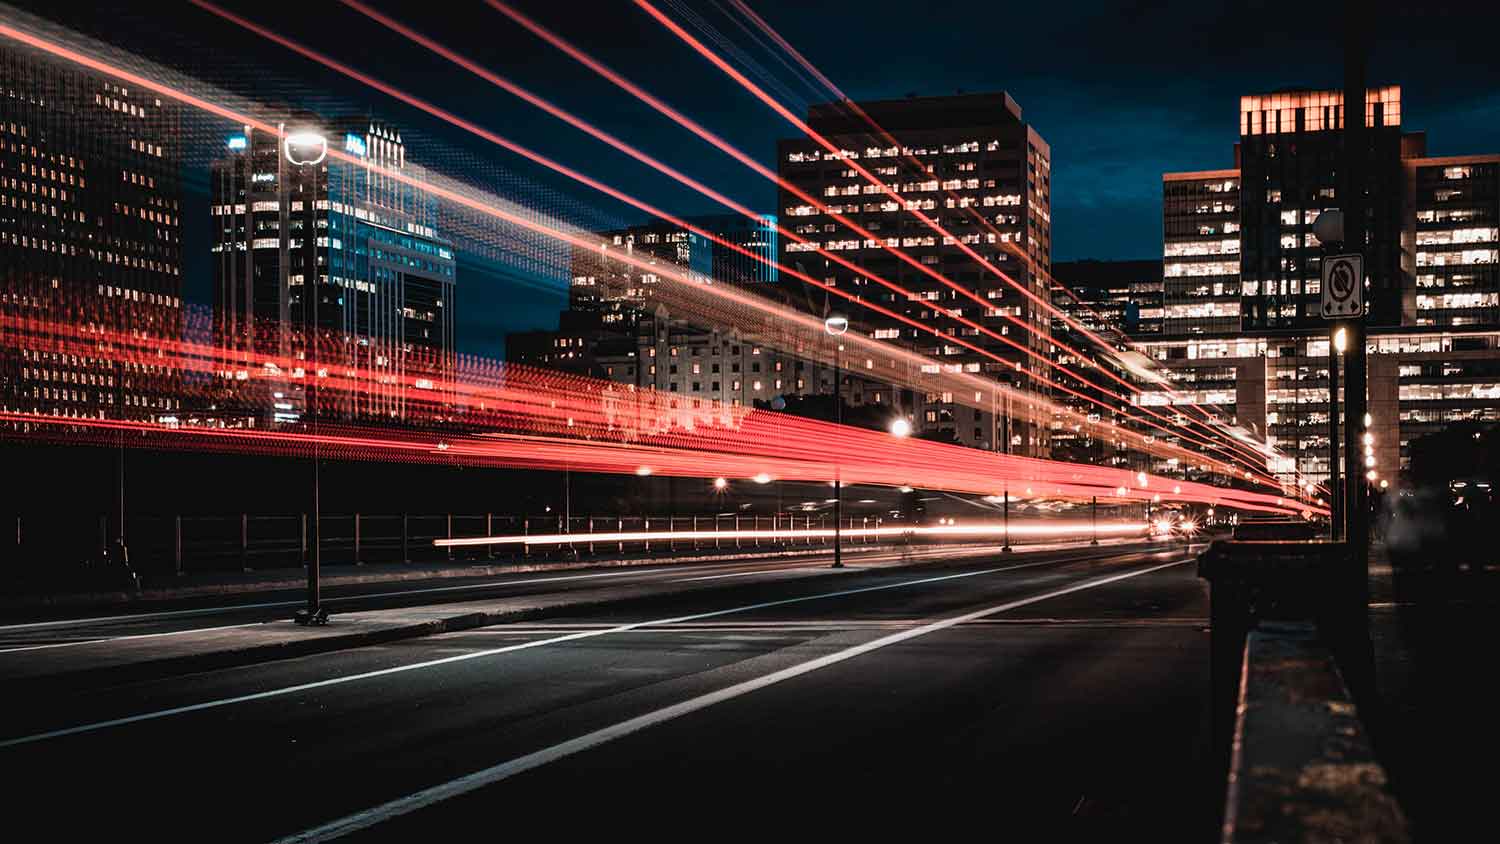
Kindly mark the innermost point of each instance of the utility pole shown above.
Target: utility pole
(1356, 150)
(308, 151)
(1094, 519)
(1006, 495)
(1335, 494)
(835, 325)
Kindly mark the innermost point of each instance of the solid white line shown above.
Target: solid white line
(399, 669)
(123, 638)
(746, 574)
(505, 770)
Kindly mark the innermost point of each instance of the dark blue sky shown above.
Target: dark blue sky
(1122, 90)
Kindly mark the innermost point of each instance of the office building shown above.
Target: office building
(1109, 295)
(969, 162)
(305, 242)
(90, 204)
(619, 292)
(1242, 332)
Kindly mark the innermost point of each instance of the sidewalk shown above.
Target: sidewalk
(1436, 636)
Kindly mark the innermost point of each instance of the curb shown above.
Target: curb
(150, 594)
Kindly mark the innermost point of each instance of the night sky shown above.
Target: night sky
(1122, 91)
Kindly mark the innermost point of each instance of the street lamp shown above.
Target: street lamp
(306, 149)
(835, 325)
(900, 427)
(720, 484)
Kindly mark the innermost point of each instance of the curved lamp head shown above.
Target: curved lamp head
(836, 324)
(305, 148)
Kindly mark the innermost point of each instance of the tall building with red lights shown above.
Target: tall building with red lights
(974, 165)
(90, 204)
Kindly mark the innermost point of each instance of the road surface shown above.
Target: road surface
(1055, 697)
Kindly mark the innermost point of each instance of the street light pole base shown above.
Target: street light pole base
(310, 617)
(1006, 550)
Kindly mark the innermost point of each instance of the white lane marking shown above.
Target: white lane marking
(505, 770)
(124, 638)
(769, 566)
(399, 669)
(747, 574)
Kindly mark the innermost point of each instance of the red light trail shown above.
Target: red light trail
(487, 450)
(491, 210)
(620, 145)
(1233, 446)
(802, 126)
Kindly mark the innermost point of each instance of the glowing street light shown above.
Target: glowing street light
(643, 471)
(721, 484)
(1340, 340)
(900, 427)
(1371, 475)
(836, 324)
(305, 148)
(1368, 420)
(762, 478)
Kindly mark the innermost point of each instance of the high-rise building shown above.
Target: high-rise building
(1243, 334)
(970, 162)
(619, 292)
(1456, 237)
(1109, 295)
(90, 198)
(289, 220)
(1200, 285)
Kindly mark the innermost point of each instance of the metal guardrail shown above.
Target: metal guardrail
(167, 545)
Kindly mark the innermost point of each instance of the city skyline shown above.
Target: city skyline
(1113, 148)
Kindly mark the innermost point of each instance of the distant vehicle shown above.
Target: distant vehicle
(1174, 524)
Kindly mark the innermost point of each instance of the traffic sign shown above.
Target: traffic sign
(1343, 286)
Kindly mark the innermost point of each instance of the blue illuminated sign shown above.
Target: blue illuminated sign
(355, 145)
(238, 142)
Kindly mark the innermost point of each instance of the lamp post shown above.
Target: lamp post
(835, 325)
(306, 150)
(1340, 341)
(1005, 494)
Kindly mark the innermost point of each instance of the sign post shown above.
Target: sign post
(1343, 286)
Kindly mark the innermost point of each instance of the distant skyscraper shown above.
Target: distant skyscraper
(365, 243)
(1118, 295)
(90, 198)
(972, 163)
(619, 292)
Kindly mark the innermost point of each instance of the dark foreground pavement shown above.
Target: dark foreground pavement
(1436, 635)
(1046, 699)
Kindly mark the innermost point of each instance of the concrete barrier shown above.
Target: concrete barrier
(1301, 767)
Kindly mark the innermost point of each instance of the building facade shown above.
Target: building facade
(90, 204)
(971, 163)
(306, 245)
(1242, 333)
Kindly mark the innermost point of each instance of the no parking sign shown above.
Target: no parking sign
(1343, 286)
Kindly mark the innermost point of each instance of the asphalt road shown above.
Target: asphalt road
(1048, 698)
(40, 629)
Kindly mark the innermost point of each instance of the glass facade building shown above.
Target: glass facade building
(336, 248)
